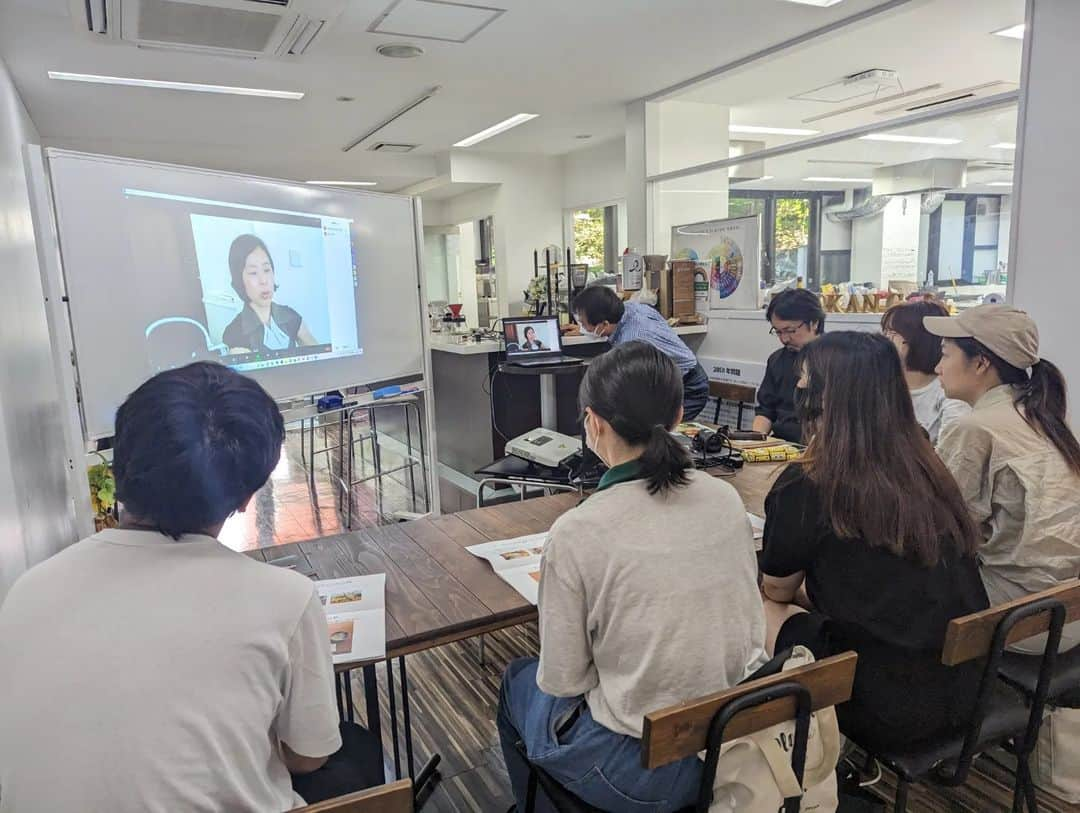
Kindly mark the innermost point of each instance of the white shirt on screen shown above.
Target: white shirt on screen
(139, 673)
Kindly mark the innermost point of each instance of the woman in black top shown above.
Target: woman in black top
(870, 534)
(263, 325)
(797, 319)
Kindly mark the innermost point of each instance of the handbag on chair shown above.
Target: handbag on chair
(754, 773)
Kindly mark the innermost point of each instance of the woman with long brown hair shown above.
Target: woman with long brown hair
(869, 532)
(1014, 456)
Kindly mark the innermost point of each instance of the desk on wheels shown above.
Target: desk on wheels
(437, 592)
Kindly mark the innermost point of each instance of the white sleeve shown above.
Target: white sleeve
(951, 411)
(308, 720)
(566, 664)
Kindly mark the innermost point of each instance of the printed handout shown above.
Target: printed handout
(355, 610)
(757, 525)
(517, 561)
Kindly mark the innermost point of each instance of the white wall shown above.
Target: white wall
(594, 175)
(36, 513)
(526, 204)
(1042, 278)
(866, 234)
(435, 266)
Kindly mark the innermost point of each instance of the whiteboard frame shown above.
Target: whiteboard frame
(65, 354)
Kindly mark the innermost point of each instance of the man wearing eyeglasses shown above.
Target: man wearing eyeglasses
(797, 318)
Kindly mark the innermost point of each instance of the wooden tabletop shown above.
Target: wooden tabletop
(438, 592)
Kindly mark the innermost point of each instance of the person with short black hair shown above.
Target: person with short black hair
(658, 543)
(920, 352)
(530, 342)
(207, 675)
(262, 325)
(797, 318)
(602, 314)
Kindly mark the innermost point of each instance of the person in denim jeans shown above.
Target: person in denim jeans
(648, 598)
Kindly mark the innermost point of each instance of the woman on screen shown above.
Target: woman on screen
(263, 324)
(530, 342)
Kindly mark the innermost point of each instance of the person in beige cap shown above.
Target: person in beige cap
(1014, 456)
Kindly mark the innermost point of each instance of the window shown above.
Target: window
(596, 238)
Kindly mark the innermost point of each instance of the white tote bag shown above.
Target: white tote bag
(753, 774)
(1056, 761)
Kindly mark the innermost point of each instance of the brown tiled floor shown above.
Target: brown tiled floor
(293, 506)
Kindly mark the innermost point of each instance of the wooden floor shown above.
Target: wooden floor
(453, 697)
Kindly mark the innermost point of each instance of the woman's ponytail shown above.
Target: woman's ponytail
(1043, 397)
(664, 462)
(639, 392)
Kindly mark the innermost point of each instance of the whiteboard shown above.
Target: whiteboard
(147, 260)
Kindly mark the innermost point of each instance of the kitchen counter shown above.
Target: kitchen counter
(465, 346)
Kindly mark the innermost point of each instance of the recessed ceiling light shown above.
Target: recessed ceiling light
(751, 128)
(495, 129)
(1003, 145)
(344, 183)
(346, 98)
(1015, 32)
(400, 50)
(818, 3)
(903, 139)
(584, 136)
(828, 179)
(1000, 183)
(164, 85)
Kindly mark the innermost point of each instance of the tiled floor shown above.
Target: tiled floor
(295, 506)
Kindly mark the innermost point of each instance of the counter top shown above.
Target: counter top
(448, 343)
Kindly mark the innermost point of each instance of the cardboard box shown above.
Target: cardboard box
(682, 288)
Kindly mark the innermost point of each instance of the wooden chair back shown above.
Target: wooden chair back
(970, 637)
(737, 393)
(396, 797)
(681, 731)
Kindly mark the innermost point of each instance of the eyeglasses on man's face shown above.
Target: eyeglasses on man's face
(787, 332)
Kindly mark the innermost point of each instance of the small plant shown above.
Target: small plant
(102, 493)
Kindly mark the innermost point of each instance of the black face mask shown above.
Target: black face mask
(808, 406)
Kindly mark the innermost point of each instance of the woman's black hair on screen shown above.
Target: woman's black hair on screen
(639, 391)
(241, 247)
(192, 446)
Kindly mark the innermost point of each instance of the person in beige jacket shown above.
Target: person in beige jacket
(1014, 456)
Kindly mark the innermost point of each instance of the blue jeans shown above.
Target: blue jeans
(592, 762)
(695, 392)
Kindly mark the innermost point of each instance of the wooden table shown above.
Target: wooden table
(437, 592)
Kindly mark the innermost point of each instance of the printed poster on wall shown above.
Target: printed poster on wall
(728, 253)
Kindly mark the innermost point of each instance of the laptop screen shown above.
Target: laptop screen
(529, 336)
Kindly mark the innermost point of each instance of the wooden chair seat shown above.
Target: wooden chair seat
(396, 797)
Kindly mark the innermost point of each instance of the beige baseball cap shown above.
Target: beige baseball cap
(1004, 330)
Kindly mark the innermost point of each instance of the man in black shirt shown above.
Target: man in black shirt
(797, 318)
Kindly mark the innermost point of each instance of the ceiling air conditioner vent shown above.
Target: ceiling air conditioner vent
(386, 146)
(245, 28)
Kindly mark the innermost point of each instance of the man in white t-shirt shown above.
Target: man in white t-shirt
(150, 668)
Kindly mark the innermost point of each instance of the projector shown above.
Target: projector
(545, 447)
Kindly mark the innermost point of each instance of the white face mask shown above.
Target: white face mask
(589, 442)
(595, 333)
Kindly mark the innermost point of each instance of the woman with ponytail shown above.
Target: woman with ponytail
(1015, 457)
(648, 597)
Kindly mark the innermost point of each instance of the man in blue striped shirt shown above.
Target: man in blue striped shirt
(601, 313)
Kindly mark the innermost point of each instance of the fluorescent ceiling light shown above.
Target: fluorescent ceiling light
(827, 179)
(163, 85)
(1015, 32)
(495, 129)
(905, 139)
(818, 3)
(751, 128)
(1000, 183)
(344, 183)
(1004, 145)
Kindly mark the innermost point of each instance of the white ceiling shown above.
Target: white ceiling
(946, 42)
(575, 63)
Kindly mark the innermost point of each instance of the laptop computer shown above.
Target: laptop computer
(534, 341)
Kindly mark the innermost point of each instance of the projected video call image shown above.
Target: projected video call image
(531, 336)
(266, 287)
(263, 284)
